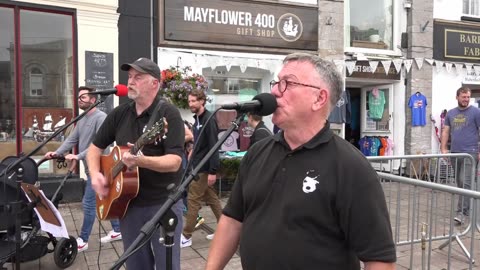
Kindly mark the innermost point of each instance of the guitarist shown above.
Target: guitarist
(159, 164)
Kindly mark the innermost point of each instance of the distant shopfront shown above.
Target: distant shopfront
(237, 47)
(457, 44)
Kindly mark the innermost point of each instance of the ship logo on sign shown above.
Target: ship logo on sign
(290, 27)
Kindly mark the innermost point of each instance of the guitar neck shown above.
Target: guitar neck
(136, 148)
(120, 166)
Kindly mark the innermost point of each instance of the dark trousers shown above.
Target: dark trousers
(153, 254)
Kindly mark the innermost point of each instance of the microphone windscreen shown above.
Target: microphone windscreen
(122, 90)
(269, 104)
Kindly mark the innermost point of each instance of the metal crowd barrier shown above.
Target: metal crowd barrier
(421, 194)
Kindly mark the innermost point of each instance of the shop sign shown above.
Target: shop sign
(240, 23)
(362, 69)
(472, 77)
(455, 41)
(99, 74)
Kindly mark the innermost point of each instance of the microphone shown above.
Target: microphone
(262, 104)
(119, 90)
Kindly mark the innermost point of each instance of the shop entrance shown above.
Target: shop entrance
(352, 128)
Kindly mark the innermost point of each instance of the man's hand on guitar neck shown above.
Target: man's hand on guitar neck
(130, 160)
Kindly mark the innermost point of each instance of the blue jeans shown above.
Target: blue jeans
(89, 204)
(152, 255)
(464, 179)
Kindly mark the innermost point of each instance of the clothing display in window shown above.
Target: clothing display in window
(376, 146)
(376, 104)
(418, 105)
(342, 111)
(231, 143)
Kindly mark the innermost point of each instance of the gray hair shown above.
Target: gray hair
(325, 69)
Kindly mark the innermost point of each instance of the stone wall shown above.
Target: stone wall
(420, 44)
(330, 29)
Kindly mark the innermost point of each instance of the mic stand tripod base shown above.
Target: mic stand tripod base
(168, 224)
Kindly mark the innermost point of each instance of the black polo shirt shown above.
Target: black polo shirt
(123, 125)
(320, 206)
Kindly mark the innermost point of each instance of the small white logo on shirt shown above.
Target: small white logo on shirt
(309, 184)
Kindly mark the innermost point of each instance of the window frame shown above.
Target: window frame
(470, 8)
(396, 34)
(28, 70)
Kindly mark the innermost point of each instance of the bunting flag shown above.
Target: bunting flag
(398, 64)
(228, 63)
(438, 65)
(243, 67)
(386, 65)
(373, 65)
(212, 62)
(448, 66)
(408, 64)
(419, 62)
(468, 67)
(458, 68)
(350, 66)
(339, 65)
(477, 70)
(345, 66)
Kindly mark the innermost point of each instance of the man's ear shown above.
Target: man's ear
(155, 83)
(322, 99)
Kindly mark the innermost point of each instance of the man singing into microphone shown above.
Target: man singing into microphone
(305, 198)
(82, 135)
(202, 188)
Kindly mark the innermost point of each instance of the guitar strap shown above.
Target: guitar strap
(155, 113)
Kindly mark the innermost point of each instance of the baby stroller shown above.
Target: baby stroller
(32, 244)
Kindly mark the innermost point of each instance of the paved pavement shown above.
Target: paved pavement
(194, 257)
(103, 256)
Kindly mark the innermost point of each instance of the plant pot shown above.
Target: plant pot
(374, 38)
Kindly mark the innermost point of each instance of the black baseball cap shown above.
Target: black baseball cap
(143, 65)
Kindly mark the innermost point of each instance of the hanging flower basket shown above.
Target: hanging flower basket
(177, 84)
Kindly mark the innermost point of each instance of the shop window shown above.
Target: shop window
(44, 57)
(373, 27)
(66, 84)
(234, 85)
(377, 113)
(7, 84)
(471, 7)
(36, 81)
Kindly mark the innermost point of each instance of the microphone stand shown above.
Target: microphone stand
(165, 216)
(15, 207)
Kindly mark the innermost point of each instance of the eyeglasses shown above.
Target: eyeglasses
(283, 84)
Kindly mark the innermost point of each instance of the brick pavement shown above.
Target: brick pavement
(194, 257)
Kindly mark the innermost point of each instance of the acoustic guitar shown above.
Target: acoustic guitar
(124, 182)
